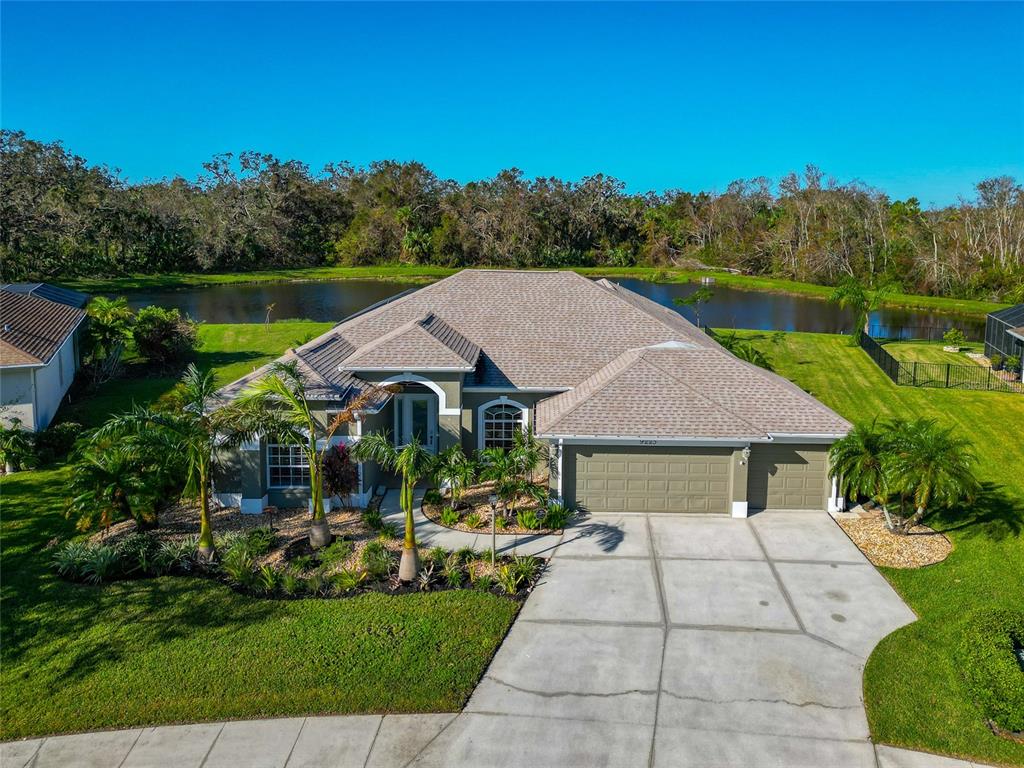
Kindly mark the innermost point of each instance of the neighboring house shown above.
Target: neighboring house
(1004, 332)
(38, 350)
(643, 411)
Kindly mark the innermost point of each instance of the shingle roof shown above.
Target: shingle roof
(631, 366)
(50, 292)
(33, 328)
(685, 391)
(422, 344)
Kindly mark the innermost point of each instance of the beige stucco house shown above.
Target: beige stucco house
(39, 352)
(642, 410)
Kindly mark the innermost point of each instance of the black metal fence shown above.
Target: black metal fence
(921, 332)
(938, 375)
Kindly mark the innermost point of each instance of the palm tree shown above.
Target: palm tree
(110, 327)
(505, 469)
(528, 450)
(16, 445)
(743, 350)
(110, 484)
(852, 293)
(413, 462)
(701, 296)
(277, 404)
(861, 461)
(932, 466)
(452, 466)
(192, 432)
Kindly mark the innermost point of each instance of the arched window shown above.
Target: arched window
(500, 422)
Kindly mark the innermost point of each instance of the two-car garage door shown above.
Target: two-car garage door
(640, 479)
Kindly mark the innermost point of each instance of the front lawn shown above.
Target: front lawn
(915, 695)
(160, 650)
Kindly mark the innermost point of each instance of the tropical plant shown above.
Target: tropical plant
(474, 520)
(238, 566)
(193, 432)
(700, 296)
(505, 469)
(437, 555)
(102, 563)
(861, 460)
(57, 441)
(1012, 364)
(425, 578)
(17, 447)
(340, 474)
(267, 580)
(69, 559)
(528, 451)
(137, 553)
(509, 578)
(260, 540)
(996, 361)
(291, 584)
(557, 515)
(347, 580)
(376, 560)
(862, 299)
(453, 467)
(742, 349)
(110, 484)
(413, 462)
(449, 517)
(279, 404)
(454, 573)
(335, 553)
(108, 330)
(164, 337)
(529, 519)
(932, 466)
(176, 555)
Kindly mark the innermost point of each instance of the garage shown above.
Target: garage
(788, 477)
(648, 479)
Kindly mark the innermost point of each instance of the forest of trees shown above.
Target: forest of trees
(61, 217)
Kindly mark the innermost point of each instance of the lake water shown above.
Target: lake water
(728, 308)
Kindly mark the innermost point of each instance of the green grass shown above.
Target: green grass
(915, 695)
(75, 657)
(932, 352)
(417, 273)
(231, 351)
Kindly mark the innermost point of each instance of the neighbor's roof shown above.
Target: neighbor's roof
(683, 391)
(559, 331)
(51, 292)
(33, 328)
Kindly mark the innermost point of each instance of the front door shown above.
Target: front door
(416, 415)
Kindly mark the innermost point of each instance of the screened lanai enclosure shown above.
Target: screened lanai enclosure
(1004, 332)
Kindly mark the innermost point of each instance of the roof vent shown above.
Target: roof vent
(7, 327)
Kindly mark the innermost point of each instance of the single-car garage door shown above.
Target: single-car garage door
(787, 477)
(640, 479)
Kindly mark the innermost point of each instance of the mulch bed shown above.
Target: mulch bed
(921, 547)
(476, 499)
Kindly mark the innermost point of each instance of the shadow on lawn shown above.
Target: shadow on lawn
(207, 360)
(994, 515)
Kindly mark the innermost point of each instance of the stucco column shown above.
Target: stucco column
(738, 496)
(254, 494)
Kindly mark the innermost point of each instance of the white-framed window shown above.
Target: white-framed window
(287, 466)
(499, 423)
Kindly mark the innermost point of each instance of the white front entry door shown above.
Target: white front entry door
(416, 415)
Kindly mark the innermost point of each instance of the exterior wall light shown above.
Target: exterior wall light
(745, 455)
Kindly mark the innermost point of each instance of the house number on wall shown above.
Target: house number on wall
(648, 442)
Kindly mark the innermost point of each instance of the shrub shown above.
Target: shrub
(259, 541)
(102, 563)
(372, 519)
(56, 442)
(954, 337)
(527, 566)
(137, 553)
(449, 517)
(238, 566)
(387, 532)
(376, 560)
(438, 556)
(176, 556)
(432, 496)
(317, 584)
(996, 361)
(1012, 364)
(340, 475)
(267, 580)
(17, 446)
(303, 562)
(227, 541)
(500, 523)
(557, 515)
(529, 519)
(990, 660)
(484, 583)
(69, 560)
(509, 578)
(347, 580)
(335, 553)
(454, 574)
(291, 584)
(474, 520)
(164, 337)
(465, 554)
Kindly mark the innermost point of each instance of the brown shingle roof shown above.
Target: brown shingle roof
(32, 328)
(422, 344)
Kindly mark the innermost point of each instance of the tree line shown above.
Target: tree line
(61, 217)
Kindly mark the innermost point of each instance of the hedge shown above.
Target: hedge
(991, 663)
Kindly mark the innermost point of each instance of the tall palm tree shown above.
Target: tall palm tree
(453, 467)
(932, 466)
(278, 405)
(192, 432)
(860, 460)
(852, 293)
(413, 462)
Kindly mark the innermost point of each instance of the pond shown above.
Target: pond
(728, 307)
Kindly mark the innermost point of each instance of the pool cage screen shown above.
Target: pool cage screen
(1002, 332)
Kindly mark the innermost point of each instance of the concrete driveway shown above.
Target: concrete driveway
(685, 641)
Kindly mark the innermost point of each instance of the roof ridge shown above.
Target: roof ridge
(716, 403)
(614, 291)
(601, 388)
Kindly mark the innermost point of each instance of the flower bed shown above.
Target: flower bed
(473, 513)
(269, 555)
(922, 546)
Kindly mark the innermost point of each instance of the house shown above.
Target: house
(1004, 332)
(39, 353)
(642, 411)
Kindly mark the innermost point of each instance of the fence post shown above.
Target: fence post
(915, 373)
(988, 381)
(947, 375)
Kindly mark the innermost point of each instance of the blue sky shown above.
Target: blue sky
(917, 99)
